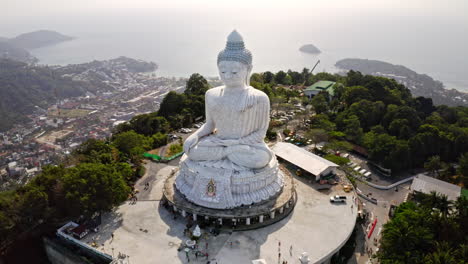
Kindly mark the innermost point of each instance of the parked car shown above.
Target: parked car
(342, 197)
(173, 137)
(338, 199)
(185, 130)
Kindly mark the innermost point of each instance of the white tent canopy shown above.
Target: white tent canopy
(302, 158)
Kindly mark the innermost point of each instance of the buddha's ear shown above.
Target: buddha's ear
(247, 77)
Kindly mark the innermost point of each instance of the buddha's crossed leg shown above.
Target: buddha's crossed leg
(242, 155)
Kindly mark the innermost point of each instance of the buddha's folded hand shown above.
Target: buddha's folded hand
(213, 141)
(238, 149)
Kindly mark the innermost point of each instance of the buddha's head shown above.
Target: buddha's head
(235, 62)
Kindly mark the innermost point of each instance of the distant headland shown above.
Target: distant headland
(419, 84)
(17, 48)
(309, 48)
(38, 39)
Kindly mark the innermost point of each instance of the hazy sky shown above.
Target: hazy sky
(428, 36)
(456, 8)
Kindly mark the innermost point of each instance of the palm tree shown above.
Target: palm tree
(462, 253)
(444, 205)
(442, 255)
(461, 206)
(431, 200)
(461, 214)
(403, 238)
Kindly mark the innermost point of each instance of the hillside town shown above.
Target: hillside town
(52, 133)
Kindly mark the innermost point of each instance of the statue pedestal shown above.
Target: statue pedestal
(224, 185)
(240, 218)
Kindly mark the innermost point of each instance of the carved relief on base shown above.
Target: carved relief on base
(223, 184)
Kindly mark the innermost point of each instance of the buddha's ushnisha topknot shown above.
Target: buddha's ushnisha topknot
(235, 50)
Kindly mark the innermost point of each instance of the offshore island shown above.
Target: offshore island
(309, 48)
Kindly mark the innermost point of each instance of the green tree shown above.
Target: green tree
(449, 114)
(369, 113)
(92, 187)
(354, 78)
(336, 159)
(32, 204)
(320, 103)
(400, 128)
(463, 165)
(174, 149)
(305, 74)
(268, 77)
(94, 150)
(296, 77)
(132, 143)
(149, 124)
(322, 121)
(256, 78)
(317, 135)
(340, 145)
(282, 78)
(271, 134)
(387, 150)
(159, 139)
(355, 94)
(196, 85)
(353, 129)
(378, 145)
(172, 104)
(433, 164)
(423, 106)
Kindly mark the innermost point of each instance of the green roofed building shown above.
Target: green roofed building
(320, 86)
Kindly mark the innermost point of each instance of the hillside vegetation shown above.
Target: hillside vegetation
(22, 87)
(8, 51)
(419, 84)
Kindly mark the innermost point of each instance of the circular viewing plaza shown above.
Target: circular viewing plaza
(147, 232)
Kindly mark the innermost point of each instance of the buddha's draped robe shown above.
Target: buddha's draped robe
(242, 116)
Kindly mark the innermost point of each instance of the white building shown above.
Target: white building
(426, 184)
(304, 159)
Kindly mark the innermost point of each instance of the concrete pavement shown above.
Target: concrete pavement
(149, 233)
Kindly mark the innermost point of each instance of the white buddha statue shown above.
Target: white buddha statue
(226, 161)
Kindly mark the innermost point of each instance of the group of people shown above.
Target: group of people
(133, 196)
(199, 253)
(133, 199)
(279, 253)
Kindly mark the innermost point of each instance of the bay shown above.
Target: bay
(183, 42)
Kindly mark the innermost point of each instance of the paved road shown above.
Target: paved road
(380, 210)
(384, 199)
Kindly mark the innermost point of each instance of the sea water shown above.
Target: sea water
(185, 42)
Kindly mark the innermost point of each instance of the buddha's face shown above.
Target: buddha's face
(233, 73)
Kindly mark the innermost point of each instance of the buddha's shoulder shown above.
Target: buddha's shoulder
(214, 91)
(259, 95)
